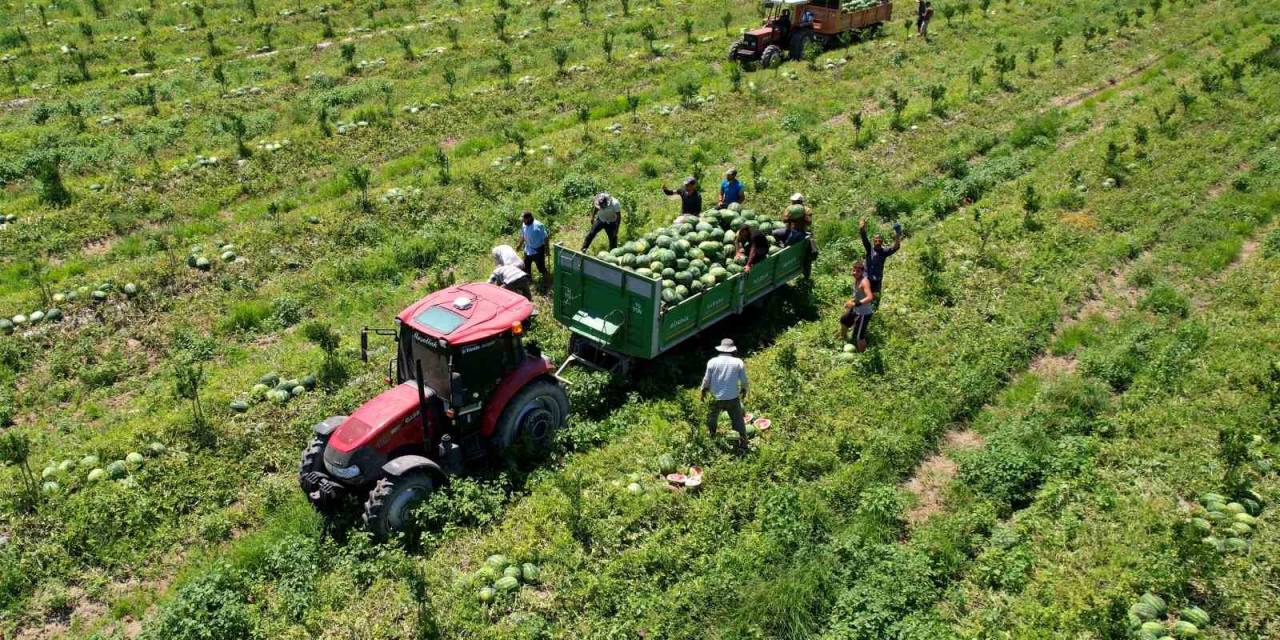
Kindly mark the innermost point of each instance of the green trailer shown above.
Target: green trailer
(617, 315)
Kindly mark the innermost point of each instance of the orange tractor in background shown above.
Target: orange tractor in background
(791, 26)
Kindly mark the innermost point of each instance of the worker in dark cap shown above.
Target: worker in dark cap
(690, 198)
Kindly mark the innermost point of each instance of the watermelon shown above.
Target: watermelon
(66, 465)
(497, 561)
(1245, 518)
(202, 263)
(50, 487)
(1241, 529)
(239, 406)
(6, 326)
(682, 291)
(308, 382)
(486, 595)
(278, 396)
(1236, 545)
(36, 316)
(20, 319)
(271, 379)
(1214, 542)
(1195, 615)
(1152, 629)
(59, 298)
(1155, 601)
(512, 571)
(683, 277)
(1251, 506)
(53, 315)
(663, 241)
(155, 449)
(191, 260)
(635, 488)
(89, 461)
(1185, 629)
(682, 264)
(1213, 497)
(1234, 508)
(669, 296)
(507, 584)
(1144, 611)
(134, 459)
(98, 295)
(668, 273)
(666, 464)
(48, 472)
(130, 289)
(96, 475)
(530, 573)
(707, 280)
(117, 470)
(258, 392)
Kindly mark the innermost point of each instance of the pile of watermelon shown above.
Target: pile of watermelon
(1150, 619)
(502, 576)
(1227, 524)
(54, 314)
(276, 389)
(691, 256)
(57, 472)
(197, 259)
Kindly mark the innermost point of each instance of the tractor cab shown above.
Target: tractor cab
(461, 342)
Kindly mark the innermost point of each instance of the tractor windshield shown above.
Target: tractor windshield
(415, 349)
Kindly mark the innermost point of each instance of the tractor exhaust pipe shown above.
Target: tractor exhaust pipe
(364, 344)
(422, 399)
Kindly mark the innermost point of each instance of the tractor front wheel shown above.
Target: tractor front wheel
(391, 502)
(733, 52)
(323, 493)
(529, 422)
(771, 57)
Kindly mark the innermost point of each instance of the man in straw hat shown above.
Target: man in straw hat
(726, 379)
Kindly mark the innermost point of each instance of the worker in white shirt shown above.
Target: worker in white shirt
(508, 271)
(726, 379)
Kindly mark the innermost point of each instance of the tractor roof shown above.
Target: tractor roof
(467, 313)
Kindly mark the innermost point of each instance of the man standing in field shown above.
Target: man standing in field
(690, 199)
(923, 18)
(726, 378)
(877, 254)
(858, 310)
(533, 239)
(731, 190)
(797, 215)
(606, 215)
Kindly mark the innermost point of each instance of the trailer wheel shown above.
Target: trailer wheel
(528, 424)
(771, 57)
(798, 43)
(391, 502)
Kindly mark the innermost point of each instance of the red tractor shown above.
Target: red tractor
(464, 387)
(792, 25)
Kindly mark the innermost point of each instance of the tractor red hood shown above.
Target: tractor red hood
(761, 32)
(377, 421)
(473, 312)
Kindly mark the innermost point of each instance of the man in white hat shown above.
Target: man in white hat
(606, 215)
(726, 379)
(797, 215)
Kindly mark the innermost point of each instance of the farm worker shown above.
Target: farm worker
(923, 21)
(690, 199)
(508, 271)
(533, 239)
(797, 214)
(921, 6)
(858, 310)
(731, 190)
(742, 242)
(726, 379)
(877, 253)
(806, 18)
(759, 249)
(606, 214)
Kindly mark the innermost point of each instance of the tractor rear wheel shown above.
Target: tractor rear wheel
(530, 420)
(771, 57)
(392, 500)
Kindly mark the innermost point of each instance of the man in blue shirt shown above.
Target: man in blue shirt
(731, 190)
(533, 239)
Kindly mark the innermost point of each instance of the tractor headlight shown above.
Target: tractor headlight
(346, 473)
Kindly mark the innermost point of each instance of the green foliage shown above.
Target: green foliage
(1165, 300)
(212, 605)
